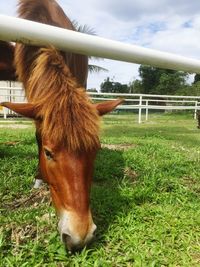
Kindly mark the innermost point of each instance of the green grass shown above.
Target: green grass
(145, 198)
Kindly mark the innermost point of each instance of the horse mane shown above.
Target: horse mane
(67, 115)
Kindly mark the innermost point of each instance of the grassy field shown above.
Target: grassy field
(145, 197)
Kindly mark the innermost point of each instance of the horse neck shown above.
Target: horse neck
(48, 12)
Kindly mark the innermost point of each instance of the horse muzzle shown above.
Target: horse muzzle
(76, 235)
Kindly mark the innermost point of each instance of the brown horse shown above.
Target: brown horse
(7, 69)
(67, 123)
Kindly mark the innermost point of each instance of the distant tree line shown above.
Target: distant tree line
(109, 85)
(155, 81)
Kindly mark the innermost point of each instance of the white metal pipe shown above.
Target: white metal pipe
(33, 33)
(157, 107)
(140, 110)
(4, 113)
(12, 95)
(125, 99)
(171, 101)
(195, 111)
(145, 95)
(108, 99)
(11, 88)
(147, 110)
(115, 94)
(92, 94)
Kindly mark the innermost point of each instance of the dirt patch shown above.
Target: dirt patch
(20, 234)
(10, 143)
(192, 184)
(131, 174)
(118, 146)
(36, 197)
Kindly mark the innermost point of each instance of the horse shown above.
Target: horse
(67, 122)
(7, 69)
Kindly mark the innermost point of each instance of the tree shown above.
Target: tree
(109, 86)
(149, 78)
(94, 68)
(106, 86)
(135, 87)
(86, 29)
(92, 90)
(196, 78)
(193, 89)
(161, 81)
(170, 83)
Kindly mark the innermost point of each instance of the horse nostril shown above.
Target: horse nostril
(68, 242)
(66, 238)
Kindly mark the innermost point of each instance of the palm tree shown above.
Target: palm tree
(86, 29)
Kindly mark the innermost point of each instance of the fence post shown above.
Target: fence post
(195, 110)
(140, 110)
(4, 113)
(147, 110)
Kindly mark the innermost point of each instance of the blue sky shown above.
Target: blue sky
(166, 25)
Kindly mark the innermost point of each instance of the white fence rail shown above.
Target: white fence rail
(34, 33)
(138, 102)
(144, 101)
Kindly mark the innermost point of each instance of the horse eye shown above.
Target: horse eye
(48, 154)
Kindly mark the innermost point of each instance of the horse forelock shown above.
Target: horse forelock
(68, 116)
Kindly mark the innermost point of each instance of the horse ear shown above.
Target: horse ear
(107, 106)
(25, 109)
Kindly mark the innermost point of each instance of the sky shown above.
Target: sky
(165, 25)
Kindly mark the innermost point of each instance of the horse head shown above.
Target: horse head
(69, 175)
(67, 123)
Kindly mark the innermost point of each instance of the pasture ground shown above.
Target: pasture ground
(145, 197)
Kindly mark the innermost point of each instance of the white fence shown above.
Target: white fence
(150, 102)
(33, 33)
(10, 92)
(138, 102)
